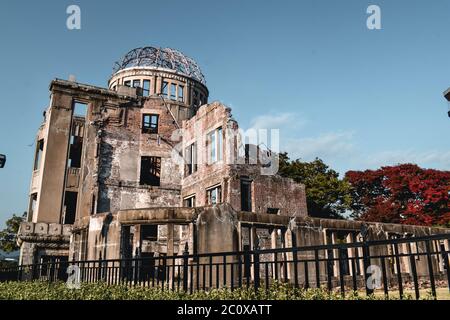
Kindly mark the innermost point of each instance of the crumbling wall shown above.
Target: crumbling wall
(123, 145)
(268, 191)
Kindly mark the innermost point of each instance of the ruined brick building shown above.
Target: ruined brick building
(148, 165)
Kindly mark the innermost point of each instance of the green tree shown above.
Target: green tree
(8, 236)
(327, 196)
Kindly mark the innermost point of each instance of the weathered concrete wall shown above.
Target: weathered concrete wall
(54, 159)
(37, 239)
(122, 146)
(269, 191)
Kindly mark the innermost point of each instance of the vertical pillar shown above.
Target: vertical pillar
(187, 98)
(239, 233)
(252, 247)
(288, 256)
(360, 254)
(335, 253)
(351, 253)
(158, 85)
(153, 86)
(273, 245)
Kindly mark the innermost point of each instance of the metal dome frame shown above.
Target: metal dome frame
(165, 58)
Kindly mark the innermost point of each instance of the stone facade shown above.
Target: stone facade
(100, 152)
(151, 168)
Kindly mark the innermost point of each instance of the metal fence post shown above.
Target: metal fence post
(430, 268)
(366, 263)
(185, 267)
(256, 269)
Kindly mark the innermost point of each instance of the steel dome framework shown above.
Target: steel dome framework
(166, 58)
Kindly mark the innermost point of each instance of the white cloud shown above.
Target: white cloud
(326, 146)
(278, 121)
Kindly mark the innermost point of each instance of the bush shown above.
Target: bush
(38, 290)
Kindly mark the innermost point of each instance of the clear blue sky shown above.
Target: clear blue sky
(356, 98)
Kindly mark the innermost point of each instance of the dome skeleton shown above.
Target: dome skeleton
(166, 58)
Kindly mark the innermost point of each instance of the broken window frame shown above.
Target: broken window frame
(215, 145)
(70, 216)
(150, 174)
(74, 159)
(136, 83)
(195, 99)
(189, 202)
(165, 89)
(214, 195)
(80, 109)
(38, 154)
(180, 93)
(149, 236)
(146, 84)
(173, 91)
(275, 211)
(190, 158)
(246, 197)
(32, 206)
(150, 126)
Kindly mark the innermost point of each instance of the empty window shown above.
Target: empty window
(173, 91)
(150, 171)
(189, 202)
(214, 195)
(195, 101)
(251, 154)
(190, 158)
(273, 210)
(38, 155)
(127, 83)
(146, 88)
(75, 152)
(180, 93)
(165, 89)
(33, 201)
(136, 83)
(79, 109)
(149, 232)
(70, 207)
(219, 144)
(246, 195)
(215, 144)
(150, 123)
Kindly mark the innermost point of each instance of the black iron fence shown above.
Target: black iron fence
(415, 266)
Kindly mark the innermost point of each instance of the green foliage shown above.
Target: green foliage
(9, 234)
(327, 196)
(39, 290)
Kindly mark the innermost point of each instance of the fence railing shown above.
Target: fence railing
(416, 266)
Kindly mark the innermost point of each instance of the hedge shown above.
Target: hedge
(39, 290)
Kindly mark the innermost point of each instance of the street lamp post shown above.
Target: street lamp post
(447, 96)
(2, 160)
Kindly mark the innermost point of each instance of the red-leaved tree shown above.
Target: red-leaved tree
(405, 194)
